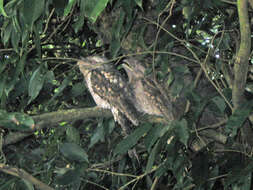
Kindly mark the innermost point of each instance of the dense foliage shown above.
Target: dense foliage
(53, 137)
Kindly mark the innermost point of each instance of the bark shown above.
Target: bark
(242, 58)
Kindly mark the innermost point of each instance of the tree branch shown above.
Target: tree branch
(242, 59)
(54, 118)
(24, 175)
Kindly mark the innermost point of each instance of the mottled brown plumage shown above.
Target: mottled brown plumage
(148, 96)
(109, 89)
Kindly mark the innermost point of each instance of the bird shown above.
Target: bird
(149, 97)
(110, 90)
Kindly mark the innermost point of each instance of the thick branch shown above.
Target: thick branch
(54, 118)
(24, 175)
(241, 63)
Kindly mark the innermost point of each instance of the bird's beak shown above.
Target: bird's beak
(127, 67)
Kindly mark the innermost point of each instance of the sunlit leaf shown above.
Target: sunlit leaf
(139, 3)
(2, 8)
(69, 7)
(94, 8)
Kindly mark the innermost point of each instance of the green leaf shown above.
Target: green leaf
(7, 33)
(237, 119)
(79, 23)
(74, 152)
(69, 7)
(35, 84)
(220, 103)
(32, 10)
(177, 87)
(15, 38)
(98, 135)
(73, 135)
(163, 168)
(2, 8)
(60, 6)
(78, 89)
(115, 47)
(155, 133)
(132, 139)
(170, 79)
(49, 77)
(139, 3)
(182, 131)
(8, 184)
(2, 84)
(37, 41)
(28, 185)
(118, 26)
(94, 8)
(59, 90)
(151, 157)
(70, 176)
(111, 125)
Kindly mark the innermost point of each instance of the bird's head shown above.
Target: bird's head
(92, 62)
(134, 69)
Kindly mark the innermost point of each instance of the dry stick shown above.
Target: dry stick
(48, 20)
(153, 187)
(24, 175)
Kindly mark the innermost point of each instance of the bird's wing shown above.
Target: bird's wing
(109, 85)
(157, 99)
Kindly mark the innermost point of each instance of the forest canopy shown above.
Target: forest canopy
(198, 52)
